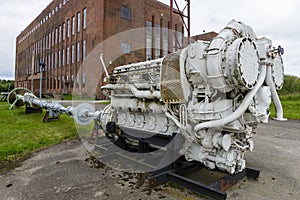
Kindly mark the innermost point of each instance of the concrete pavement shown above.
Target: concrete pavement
(66, 171)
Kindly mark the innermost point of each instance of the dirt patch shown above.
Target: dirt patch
(8, 165)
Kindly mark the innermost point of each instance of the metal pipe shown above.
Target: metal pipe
(275, 97)
(240, 110)
(103, 65)
(41, 78)
(137, 93)
(54, 106)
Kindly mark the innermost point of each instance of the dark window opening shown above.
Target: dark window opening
(125, 13)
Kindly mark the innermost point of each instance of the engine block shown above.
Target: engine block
(213, 93)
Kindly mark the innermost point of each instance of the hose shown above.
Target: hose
(241, 109)
(275, 97)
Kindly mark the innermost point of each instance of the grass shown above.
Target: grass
(23, 133)
(291, 106)
(72, 97)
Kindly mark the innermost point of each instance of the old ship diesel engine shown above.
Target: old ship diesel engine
(208, 98)
(213, 93)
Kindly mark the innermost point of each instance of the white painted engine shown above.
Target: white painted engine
(213, 93)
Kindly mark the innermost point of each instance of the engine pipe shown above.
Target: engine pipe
(241, 109)
(56, 107)
(275, 97)
(137, 93)
(83, 114)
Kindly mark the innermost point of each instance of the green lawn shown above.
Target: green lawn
(21, 133)
(291, 106)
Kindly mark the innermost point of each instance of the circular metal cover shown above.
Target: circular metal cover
(80, 116)
(248, 62)
(12, 97)
(278, 72)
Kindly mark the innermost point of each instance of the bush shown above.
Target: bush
(6, 85)
(291, 85)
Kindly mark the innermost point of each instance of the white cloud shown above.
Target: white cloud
(15, 16)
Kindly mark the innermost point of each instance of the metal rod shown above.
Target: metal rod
(103, 65)
(171, 27)
(41, 78)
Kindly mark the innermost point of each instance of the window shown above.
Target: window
(125, 48)
(84, 50)
(180, 38)
(52, 38)
(56, 36)
(58, 82)
(148, 40)
(73, 53)
(59, 59)
(59, 34)
(62, 82)
(68, 31)
(78, 52)
(64, 31)
(83, 80)
(165, 41)
(78, 22)
(73, 25)
(84, 18)
(53, 61)
(63, 58)
(77, 80)
(157, 41)
(49, 62)
(68, 55)
(125, 13)
(49, 40)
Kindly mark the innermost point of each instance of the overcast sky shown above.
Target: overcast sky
(277, 20)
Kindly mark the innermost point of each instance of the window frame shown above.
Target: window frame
(125, 13)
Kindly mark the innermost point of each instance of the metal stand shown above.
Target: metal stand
(212, 183)
(177, 173)
(4, 96)
(29, 109)
(47, 117)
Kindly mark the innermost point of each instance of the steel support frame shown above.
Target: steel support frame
(215, 190)
(185, 15)
(175, 172)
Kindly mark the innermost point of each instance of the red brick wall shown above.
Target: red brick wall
(103, 21)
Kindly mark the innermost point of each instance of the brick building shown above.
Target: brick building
(68, 38)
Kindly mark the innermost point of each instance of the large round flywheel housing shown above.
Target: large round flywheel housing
(13, 97)
(278, 72)
(245, 62)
